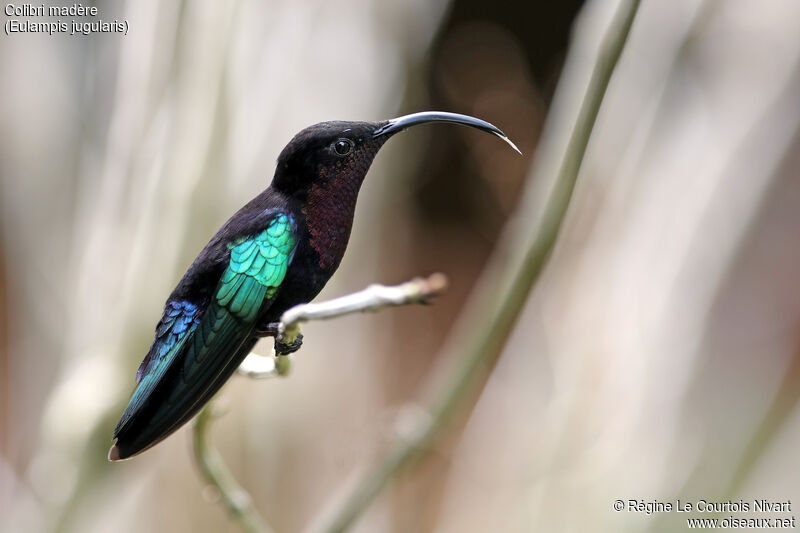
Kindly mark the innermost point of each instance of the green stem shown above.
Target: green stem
(234, 497)
(478, 337)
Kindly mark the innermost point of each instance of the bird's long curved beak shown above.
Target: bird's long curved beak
(399, 124)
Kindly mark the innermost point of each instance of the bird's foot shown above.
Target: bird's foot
(287, 348)
(271, 329)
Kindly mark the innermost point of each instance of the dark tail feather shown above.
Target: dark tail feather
(211, 358)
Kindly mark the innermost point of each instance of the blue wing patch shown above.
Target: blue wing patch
(179, 320)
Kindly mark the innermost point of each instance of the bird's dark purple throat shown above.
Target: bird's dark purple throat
(277, 251)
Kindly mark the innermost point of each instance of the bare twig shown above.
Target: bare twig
(235, 498)
(257, 366)
(482, 329)
(372, 299)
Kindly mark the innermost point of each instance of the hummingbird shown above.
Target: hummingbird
(277, 251)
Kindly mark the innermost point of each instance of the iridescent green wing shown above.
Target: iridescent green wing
(202, 358)
(257, 267)
(255, 271)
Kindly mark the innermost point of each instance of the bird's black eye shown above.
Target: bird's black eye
(343, 147)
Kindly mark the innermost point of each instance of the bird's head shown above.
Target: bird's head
(338, 154)
(323, 167)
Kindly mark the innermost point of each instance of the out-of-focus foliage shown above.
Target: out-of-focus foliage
(656, 360)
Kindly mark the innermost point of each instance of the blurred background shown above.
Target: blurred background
(658, 358)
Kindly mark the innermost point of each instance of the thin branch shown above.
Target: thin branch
(257, 366)
(372, 299)
(234, 497)
(482, 329)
